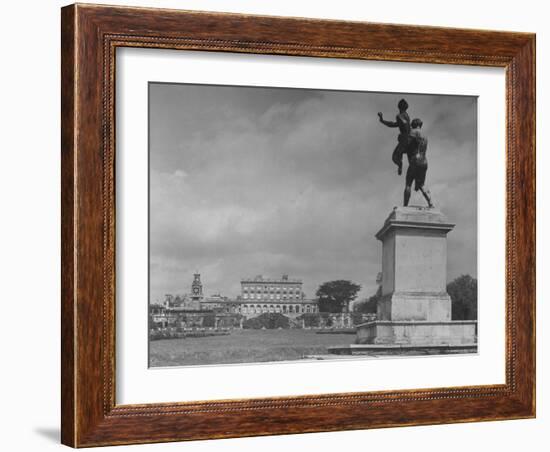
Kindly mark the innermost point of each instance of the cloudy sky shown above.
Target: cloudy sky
(272, 181)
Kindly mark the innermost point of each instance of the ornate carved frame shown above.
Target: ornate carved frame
(90, 35)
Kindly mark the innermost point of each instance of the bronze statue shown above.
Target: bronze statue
(418, 163)
(402, 121)
(415, 144)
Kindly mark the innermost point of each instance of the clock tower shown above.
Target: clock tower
(196, 288)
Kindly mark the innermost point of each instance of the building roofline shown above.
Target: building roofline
(270, 280)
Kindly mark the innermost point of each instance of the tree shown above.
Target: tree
(463, 293)
(335, 296)
(368, 305)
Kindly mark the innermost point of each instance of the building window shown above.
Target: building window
(297, 308)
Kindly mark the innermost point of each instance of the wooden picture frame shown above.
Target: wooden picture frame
(90, 35)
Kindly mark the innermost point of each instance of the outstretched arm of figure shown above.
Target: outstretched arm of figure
(387, 123)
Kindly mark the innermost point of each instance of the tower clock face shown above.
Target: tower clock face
(196, 290)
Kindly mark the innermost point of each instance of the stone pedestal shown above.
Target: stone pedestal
(459, 332)
(415, 308)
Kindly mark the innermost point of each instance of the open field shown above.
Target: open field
(244, 346)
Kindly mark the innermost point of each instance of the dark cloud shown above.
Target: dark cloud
(263, 180)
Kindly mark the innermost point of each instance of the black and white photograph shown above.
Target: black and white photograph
(296, 224)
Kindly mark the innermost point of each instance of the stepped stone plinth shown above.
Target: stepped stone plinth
(415, 308)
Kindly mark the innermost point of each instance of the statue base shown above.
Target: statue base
(425, 333)
(375, 350)
(415, 308)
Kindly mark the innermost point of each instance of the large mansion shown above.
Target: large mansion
(258, 295)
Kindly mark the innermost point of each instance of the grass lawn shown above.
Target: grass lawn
(244, 346)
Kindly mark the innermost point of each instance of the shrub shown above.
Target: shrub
(268, 320)
(309, 319)
(209, 321)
